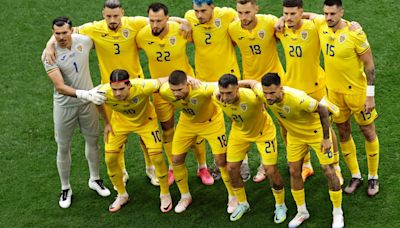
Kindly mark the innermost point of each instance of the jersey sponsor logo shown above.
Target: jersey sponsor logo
(172, 40)
(125, 33)
(261, 34)
(243, 107)
(342, 38)
(331, 38)
(135, 100)
(63, 58)
(325, 32)
(286, 109)
(217, 22)
(193, 101)
(79, 47)
(241, 38)
(304, 35)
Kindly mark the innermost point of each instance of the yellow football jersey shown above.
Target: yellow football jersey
(165, 55)
(248, 115)
(198, 106)
(214, 51)
(302, 51)
(296, 112)
(137, 108)
(341, 49)
(116, 49)
(258, 47)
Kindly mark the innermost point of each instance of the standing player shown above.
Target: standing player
(114, 39)
(250, 123)
(165, 48)
(350, 75)
(70, 75)
(302, 48)
(307, 125)
(200, 117)
(132, 112)
(214, 51)
(254, 35)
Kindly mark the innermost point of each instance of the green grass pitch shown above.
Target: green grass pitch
(29, 183)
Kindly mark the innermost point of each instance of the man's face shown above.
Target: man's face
(247, 13)
(230, 94)
(292, 15)
(273, 93)
(204, 13)
(158, 21)
(120, 90)
(333, 15)
(113, 17)
(63, 35)
(180, 91)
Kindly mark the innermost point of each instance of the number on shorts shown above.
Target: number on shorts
(222, 140)
(329, 154)
(366, 116)
(269, 147)
(156, 136)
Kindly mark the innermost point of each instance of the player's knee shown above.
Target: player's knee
(369, 132)
(344, 130)
(157, 159)
(178, 160)
(169, 124)
(220, 159)
(63, 151)
(294, 173)
(270, 170)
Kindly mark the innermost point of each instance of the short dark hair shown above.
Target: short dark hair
(227, 79)
(119, 75)
(338, 3)
(271, 79)
(177, 77)
(112, 4)
(60, 21)
(293, 3)
(242, 2)
(157, 6)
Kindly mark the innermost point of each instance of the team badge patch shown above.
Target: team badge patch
(79, 47)
(217, 22)
(135, 100)
(286, 109)
(172, 40)
(342, 38)
(304, 35)
(261, 34)
(193, 101)
(125, 33)
(365, 44)
(243, 107)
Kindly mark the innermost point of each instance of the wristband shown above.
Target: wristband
(370, 91)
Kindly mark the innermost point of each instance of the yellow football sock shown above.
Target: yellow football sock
(167, 136)
(147, 159)
(226, 179)
(299, 197)
(114, 171)
(240, 194)
(372, 149)
(161, 171)
(181, 178)
(336, 198)
(350, 156)
(200, 152)
(306, 160)
(279, 196)
(121, 158)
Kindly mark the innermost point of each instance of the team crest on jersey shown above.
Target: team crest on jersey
(342, 38)
(217, 22)
(172, 40)
(79, 47)
(125, 33)
(243, 107)
(261, 34)
(193, 101)
(286, 109)
(304, 35)
(135, 100)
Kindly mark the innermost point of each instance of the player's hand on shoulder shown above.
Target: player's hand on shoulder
(280, 25)
(354, 25)
(93, 95)
(185, 29)
(195, 83)
(50, 54)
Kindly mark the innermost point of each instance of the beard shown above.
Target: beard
(157, 33)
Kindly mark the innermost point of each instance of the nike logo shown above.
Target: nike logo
(345, 155)
(372, 155)
(167, 207)
(177, 181)
(150, 43)
(241, 38)
(104, 35)
(325, 32)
